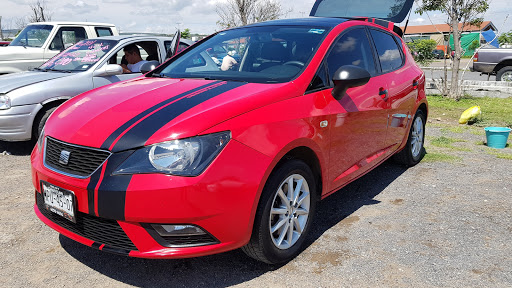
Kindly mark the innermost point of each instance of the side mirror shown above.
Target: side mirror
(108, 70)
(348, 76)
(149, 66)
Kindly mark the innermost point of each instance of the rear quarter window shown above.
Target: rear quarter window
(390, 54)
(103, 31)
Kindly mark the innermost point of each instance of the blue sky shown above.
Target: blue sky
(163, 16)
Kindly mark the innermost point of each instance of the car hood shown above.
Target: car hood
(146, 111)
(14, 81)
(15, 53)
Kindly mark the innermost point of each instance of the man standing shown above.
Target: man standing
(132, 55)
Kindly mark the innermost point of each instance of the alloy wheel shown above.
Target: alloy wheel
(290, 211)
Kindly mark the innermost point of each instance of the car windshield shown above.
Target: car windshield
(260, 54)
(80, 56)
(32, 36)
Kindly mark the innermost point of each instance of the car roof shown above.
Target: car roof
(311, 21)
(123, 37)
(72, 23)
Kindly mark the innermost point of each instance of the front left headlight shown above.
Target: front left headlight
(183, 157)
(5, 102)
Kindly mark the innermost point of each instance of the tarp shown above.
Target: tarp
(466, 41)
(489, 36)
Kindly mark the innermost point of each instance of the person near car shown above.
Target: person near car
(132, 55)
(228, 61)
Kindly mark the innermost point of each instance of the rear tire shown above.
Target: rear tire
(284, 216)
(413, 151)
(504, 74)
(40, 120)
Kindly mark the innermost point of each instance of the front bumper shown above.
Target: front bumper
(16, 122)
(222, 201)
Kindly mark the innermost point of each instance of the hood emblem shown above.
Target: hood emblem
(64, 157)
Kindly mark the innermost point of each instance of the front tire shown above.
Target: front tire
(413, 151)
(284, 215)
(39, 122)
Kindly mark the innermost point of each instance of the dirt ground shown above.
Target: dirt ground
(443, 223)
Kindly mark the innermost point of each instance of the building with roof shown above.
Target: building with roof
(484, 33)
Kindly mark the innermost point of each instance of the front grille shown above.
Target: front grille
(100, 230)
(82, 162)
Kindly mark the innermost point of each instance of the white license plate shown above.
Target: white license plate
(59, 201)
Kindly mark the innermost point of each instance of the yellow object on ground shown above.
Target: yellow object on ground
(470, 114)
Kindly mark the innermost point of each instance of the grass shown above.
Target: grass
(440, 157)
(495, 111)
(455, 129)
(446, 142)
(500, 155)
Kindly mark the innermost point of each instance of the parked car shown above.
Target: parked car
(4, 43)
(40, 41)
(190, 160)
(438, 54)
(28, 98)
(497, 61)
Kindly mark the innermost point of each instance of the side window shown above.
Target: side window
(389, 53)
(67, 36)
(352, 48)
(181, 47)
(320, 80)
(103, 31)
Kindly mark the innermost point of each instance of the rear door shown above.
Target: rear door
(402, 82)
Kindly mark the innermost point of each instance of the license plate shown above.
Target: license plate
(59, 201)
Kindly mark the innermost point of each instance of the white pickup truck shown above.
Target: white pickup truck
(40, 41)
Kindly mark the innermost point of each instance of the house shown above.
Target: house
(440, 33)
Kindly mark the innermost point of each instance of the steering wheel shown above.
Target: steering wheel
(295, 63)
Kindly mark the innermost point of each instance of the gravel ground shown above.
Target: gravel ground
(438, 224)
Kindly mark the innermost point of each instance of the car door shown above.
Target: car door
(116, 58)
(358, 120)
(401, 81)
(64, 38)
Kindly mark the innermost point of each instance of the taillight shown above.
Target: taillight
(475, 59)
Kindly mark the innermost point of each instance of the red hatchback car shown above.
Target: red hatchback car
(205, 155)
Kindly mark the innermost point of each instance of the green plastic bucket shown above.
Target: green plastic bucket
(497, 136)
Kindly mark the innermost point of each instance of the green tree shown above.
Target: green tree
(422, 50)
(505, 38)
(475, 44)
(185, 33)
(467, 13)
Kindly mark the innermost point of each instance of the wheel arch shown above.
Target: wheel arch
(502, 64)
(45, 106)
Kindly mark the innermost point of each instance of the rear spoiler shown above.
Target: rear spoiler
(384, 23)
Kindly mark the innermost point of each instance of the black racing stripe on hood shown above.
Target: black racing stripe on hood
(140, 133)
(110, 140)
(112, 189)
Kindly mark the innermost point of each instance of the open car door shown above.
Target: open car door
(393, 11)
(173, 50)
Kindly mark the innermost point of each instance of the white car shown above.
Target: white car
(39, 42)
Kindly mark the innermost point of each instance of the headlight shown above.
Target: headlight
(5, 102)
(184, 157)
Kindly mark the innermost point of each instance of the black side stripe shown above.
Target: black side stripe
(112, 189)
(108, 142)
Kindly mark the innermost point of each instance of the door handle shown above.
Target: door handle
(415, 84)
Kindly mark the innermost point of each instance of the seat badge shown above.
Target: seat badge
(64, 157)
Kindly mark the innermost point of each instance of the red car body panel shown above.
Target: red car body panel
(266, 122)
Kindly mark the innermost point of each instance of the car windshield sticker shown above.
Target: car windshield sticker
(316, 31)
(80, 56)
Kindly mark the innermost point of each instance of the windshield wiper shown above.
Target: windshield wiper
(39, 69)
(62, 71)
(157, 75)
